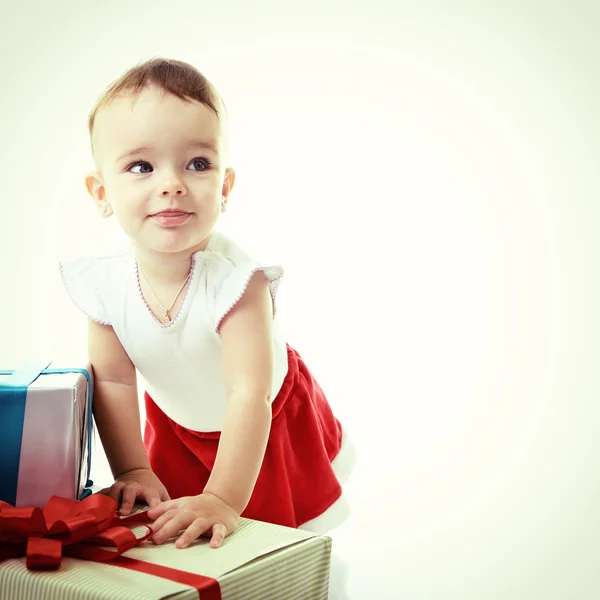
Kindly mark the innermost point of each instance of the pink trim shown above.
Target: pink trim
(185, 294)
(70, 293)
(273, 286)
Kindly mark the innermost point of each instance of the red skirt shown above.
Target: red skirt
(296, 482)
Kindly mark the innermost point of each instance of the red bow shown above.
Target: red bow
(66, 527)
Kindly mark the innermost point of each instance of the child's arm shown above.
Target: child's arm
(246, 334)
(117, 416)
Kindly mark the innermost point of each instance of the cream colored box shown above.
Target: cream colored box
(259, 561)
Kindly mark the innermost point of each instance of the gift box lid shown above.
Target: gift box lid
(259, 561)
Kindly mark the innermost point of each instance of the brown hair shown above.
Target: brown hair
(174, 76)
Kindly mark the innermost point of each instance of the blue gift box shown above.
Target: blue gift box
(45, 433)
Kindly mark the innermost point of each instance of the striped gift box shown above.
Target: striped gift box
(45, 433)
(259, 561)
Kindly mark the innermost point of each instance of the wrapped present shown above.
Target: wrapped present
(259, 561)
(45, 433)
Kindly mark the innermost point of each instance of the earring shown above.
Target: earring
(105, 210)
(222, 203)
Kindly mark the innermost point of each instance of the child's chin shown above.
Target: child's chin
(174, 248)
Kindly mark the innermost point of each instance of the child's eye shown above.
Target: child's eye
(199, 164)
(144, 168)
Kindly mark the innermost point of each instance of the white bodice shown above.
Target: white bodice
(180, 363)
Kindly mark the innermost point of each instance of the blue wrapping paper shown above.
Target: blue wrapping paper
(45, 433)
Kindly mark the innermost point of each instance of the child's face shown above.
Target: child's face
(160, 162)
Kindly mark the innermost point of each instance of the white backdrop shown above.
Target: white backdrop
(428, 177)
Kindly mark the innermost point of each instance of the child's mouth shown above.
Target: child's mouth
(170, 218)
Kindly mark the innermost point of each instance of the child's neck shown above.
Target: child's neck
(163, 268)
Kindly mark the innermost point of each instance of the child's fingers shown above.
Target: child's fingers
(173, 523)
(152, 497)
(161, 521)
(162, 508)
(193, 532)
(115, 491)
(130, 493)
(219, 533)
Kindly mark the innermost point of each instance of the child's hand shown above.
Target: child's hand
(140, 483)
(198, 515)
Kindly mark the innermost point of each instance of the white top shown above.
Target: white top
(179, 363)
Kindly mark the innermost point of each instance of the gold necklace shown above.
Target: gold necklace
(167, 311)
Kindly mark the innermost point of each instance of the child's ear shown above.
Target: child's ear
(95, 187)
(228, 182)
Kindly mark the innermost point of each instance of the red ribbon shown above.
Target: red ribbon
(67, 528)
(70, 528)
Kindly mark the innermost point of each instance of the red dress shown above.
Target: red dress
(296, 482)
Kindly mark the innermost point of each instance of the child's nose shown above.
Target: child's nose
(173, 187)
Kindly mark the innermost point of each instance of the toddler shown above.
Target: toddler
(235, 423)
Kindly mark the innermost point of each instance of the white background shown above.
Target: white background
(428, 177)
